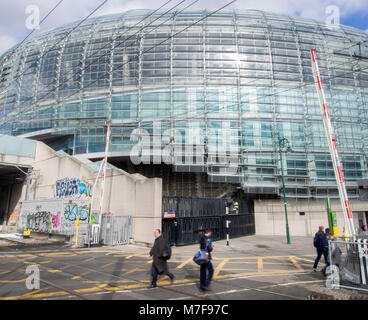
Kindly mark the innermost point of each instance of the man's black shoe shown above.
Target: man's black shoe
(203, 288)
(172, 278)
(152, 286)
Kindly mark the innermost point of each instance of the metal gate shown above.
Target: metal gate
(191, 216)
(115, 230)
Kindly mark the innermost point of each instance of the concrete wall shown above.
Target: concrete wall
(270, 216)
(124, 193)
(148, 209)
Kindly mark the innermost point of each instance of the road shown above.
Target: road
(108, 273)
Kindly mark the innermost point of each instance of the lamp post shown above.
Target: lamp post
(283, 142)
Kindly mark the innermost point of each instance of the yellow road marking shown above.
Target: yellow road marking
(23, 296)
(134, 270)
(296, 264)
(220, 266)
(108, 264)
(30, 262)
(90, 259)
(184, 263)
(20, 255)
(13, 281)
(260, 264)
(304, 259)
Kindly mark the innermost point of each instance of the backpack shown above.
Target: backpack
(166, 254)
(317, 241)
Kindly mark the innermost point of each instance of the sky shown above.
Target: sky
(17, 18)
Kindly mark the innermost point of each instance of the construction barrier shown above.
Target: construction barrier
(348, 264)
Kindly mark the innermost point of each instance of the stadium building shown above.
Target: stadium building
(203, 104)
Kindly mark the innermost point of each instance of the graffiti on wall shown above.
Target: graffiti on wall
(73, 187)
(42, 221)
(72, 211)
(95, 218)
(13, 217)
(55, 216)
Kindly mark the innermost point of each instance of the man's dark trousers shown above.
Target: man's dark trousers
(319, 254)
(155, 274)
(205, 282)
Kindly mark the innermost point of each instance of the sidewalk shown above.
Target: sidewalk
(32, 240)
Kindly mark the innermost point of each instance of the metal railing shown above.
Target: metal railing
(114, 230)
(348, 264)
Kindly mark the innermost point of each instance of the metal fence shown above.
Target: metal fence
(115, 230)
(194, 215)
(348, 264)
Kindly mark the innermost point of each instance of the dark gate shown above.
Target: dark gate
(194, 215)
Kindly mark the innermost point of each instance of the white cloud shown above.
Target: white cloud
(6, 42)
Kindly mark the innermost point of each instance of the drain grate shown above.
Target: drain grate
(261, 246)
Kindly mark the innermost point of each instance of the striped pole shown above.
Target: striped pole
(332, 146)
(363, 255)
(104, 173)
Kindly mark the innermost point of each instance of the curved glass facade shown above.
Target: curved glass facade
(229, 86)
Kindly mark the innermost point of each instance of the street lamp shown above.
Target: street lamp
(284, 143)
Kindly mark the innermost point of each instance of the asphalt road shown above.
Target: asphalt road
(242, 272)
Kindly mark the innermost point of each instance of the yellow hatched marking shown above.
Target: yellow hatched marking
(134, 270)
(30, 262)
(304, 259)
(90, 259)
(296, 264)
(23, 296)
(260, 264)
(13, 281)
(220, 266)
(184, 263)
(108, 264)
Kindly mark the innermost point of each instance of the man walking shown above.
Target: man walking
(159, 265)
(321, 244)
(206, 244)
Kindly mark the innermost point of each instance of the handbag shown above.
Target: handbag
(166, 255)
(201, 257)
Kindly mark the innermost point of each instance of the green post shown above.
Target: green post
(332, 219)
(282, 143)
(329, 211)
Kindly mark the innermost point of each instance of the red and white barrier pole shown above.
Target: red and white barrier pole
(332, 146)
(104, 173)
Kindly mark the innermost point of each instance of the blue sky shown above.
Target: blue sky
(357, 20)
(13, 21)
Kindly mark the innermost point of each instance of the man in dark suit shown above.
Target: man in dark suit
(205, 243)
(159, 265)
